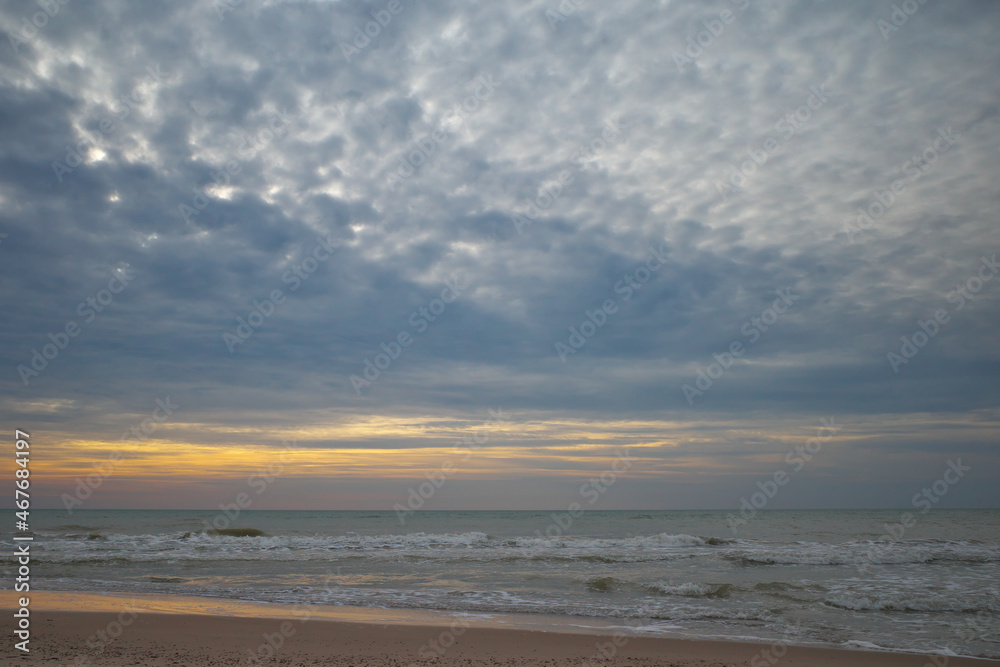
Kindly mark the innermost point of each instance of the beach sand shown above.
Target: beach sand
(141, 637)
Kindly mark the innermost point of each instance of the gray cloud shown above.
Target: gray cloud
(685, 129)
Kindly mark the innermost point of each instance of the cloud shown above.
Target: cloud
(837, 111)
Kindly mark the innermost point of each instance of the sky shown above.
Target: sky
(493, 247)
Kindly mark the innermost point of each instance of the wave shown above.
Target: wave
(250, 542)
(862, 553)
(472, 538)
(466, 601)
(725, 590)
(693, 590)
(899, 603)
(608, 584)
(603, 584)
(239, 544)
(641, 542)
(232, 532)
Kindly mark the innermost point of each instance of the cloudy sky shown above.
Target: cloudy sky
(228, 227)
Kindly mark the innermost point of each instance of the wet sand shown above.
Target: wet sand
(137, 636)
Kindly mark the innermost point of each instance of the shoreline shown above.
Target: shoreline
(135, 630)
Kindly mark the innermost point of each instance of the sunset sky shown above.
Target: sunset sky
(564, 212)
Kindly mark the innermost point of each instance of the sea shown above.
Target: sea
(876, 580)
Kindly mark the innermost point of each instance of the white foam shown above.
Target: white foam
(688, 589)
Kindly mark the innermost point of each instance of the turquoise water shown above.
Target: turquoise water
(832, 578)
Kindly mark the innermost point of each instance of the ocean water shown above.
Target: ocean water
(834, 578)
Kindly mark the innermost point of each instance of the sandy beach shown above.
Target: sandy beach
(161, 639)
(136, 636)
